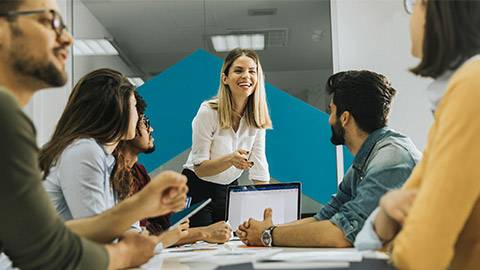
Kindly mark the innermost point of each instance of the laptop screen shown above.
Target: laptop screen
(244, 202)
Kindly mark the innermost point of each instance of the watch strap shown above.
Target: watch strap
(270, 232)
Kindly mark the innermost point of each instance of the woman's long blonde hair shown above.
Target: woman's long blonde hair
(256, 109)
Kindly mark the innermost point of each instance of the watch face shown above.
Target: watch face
(267, 238)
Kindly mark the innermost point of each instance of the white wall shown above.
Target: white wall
(374, 35)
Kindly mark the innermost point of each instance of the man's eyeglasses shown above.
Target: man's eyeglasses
(408, 5)
(57, 22)
(146, 123)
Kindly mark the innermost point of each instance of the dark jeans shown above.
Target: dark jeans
(201, 190)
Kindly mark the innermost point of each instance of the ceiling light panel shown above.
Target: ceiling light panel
(225, 43)
(93, 47)
(136, 81)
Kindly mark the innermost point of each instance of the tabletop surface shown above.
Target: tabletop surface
(236, 256)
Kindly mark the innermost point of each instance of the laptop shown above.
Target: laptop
(249, 201)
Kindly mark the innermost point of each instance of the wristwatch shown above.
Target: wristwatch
(267, 236)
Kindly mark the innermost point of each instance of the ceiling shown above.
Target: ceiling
(155, 34)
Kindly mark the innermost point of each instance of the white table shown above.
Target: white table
(204, 256)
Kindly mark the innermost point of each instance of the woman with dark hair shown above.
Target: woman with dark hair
(434, 221)
(77, 162)
(229, 136)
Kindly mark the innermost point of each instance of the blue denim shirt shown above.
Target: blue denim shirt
(384, 162)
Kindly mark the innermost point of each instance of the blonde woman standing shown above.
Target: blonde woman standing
(229, 136)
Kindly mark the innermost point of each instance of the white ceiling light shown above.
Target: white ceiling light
(225, 43)
(93, 47)
(136, 81)
(258, 42)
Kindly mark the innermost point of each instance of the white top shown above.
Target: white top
(211, 142)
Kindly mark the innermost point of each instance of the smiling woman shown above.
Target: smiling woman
(229, 136)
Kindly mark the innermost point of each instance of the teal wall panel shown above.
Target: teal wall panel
(173, 98)
(298, 147)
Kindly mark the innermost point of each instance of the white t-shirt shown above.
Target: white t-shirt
(211, 142)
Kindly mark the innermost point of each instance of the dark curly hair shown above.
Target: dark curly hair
(122, 177)
(365, 94)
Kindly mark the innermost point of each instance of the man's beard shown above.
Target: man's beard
(149, 150)
(338, 134)
(26, 65)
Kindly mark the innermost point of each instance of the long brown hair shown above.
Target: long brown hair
(256, 109)
(98, 108)
(122, 177)
(452, 35)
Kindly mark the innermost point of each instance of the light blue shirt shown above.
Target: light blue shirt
(79, 182)
(383, 162)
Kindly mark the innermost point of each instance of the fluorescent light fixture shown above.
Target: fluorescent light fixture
(93, 47)
(225, 43)
(136, 81)
(258, 42)
(244, 41)
(219, 43)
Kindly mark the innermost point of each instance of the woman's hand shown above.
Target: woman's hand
(169, 238)
(218, 232)
(394, 208)
(239, 159)
(397, 203)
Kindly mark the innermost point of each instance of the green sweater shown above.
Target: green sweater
(32, 235)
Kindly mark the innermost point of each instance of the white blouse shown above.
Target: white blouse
(211, 142)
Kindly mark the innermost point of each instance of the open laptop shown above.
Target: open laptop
(244, 202)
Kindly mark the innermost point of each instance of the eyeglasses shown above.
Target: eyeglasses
(408, 5)
(146, 123)
(57, 22)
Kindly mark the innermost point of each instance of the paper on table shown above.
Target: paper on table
(154, 263)
(225, 257)
(370, 254)
(327, 255)
(299, 265)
